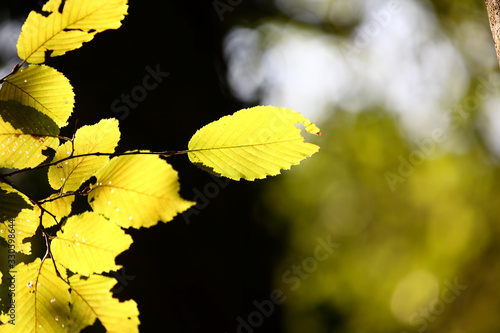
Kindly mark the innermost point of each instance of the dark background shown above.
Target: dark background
(196, 277)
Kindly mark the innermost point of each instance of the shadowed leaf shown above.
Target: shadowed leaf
(42, 88)
(43, 299)
(18, 219)
(24, 134)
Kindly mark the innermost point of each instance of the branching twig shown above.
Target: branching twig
(42, 211)
(66, 194)
(166, 153)
(48, 252)
(33, 200)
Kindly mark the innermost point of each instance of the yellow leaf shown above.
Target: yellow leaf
(137, 191)
(91, 298)
(89, 243)
(60, 32)
(41, 298)
(252, 143)
(56, 205)
(102, 137)
(18, 219)
(44, 89)
(18, 229)
(24, 134)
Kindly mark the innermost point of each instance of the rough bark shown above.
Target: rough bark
(493, 8)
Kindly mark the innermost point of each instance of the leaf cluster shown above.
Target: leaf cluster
(67, 289)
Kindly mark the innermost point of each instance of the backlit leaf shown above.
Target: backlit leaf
(252, 143)
(42, 88)
(17, 219)
(60, 32)
(137, 191)
(56, 205)
(24, 134)
(89, 243)
(102, 137)
(91, 298)
(4, 317)
(41, 298)
(23, 226)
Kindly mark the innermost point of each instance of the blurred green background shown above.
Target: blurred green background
(391, 227)
(406, 179)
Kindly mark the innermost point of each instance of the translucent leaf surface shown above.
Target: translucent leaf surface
(252, 143)
(18, 220)
(23, 226)
(89, 243)
(137, 191)
(91, 299)
(42, 299)
(24, 134)
(4, 317)
(43, 88)
(60, 32)
(102, 137)
(56, 205)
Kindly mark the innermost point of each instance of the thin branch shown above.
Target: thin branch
(37, 203)
(166, 153)
(40, 217)
(48, 252)
(66, 194)
(493, 8)
(33, 200)
(42, 211)
(47, 243)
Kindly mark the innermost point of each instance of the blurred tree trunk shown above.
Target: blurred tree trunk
(493, 8)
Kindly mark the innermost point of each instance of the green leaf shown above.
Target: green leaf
(91, 299)
(89, 243)
(252, 143)
(41, 298)
(59, 33)
(18, 219)
(24, 134)
(137, 191)
(42, 88)
(70, 174)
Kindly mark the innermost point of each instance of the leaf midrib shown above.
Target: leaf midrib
(248, 145)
